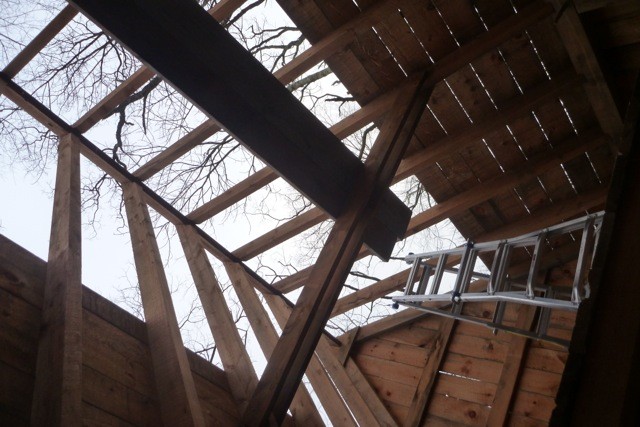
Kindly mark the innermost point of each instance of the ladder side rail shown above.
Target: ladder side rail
(535, 264)
(584, 258)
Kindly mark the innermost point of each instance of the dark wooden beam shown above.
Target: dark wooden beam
(601, 381)
(302, 331)
(190, 50)
(57, 396)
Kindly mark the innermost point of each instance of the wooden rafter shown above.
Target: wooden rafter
(40, 41)
(511, 369)
(302, 407)
(363, 402)
(586, 64)
(179, 401)
(236, 361)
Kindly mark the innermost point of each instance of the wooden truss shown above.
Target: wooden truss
(424, 132)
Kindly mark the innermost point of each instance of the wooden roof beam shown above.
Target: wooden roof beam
(233, 354)
(40, 41)
(362, 400)
(213, 71)
(345, 127)
(586, 64)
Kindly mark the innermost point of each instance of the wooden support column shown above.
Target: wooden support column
(511, 369)
(174, 382)
(57, 396)
(302, 407)
(363, 401)
(601, 381)
(236, 361)
(302, 332)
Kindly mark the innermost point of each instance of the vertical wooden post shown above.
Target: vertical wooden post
(236, 361)
(174, 382)
(57, 396)
(302, 332)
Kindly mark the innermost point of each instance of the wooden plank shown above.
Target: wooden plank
(288, 138)
(360, 398)
(96, 417)
(177, 149)
(472, 367)
(57, 394)
(423, 394)
(15, 396)
(19, 333)
(116, 354)
(118, 400)
(511, 369)
(174, 381)
(233, 354)
(40, 41)
(389, 349)
(541, 382)
(244, 188)
(218, 407)
(392, 392)
(465, 389)
(314, 306)
(302, 408)
(280, 234)
(586, 64)
(458, 411)
(532, 405)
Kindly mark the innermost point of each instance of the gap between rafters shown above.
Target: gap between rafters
(415, 36)
(390, 52)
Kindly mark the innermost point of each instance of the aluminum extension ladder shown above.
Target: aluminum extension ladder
(428, 270)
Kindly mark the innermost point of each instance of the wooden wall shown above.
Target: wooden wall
(118, 384)
(469, 383)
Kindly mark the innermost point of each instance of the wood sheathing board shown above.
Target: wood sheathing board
(422, 32)
(469, 374)
(118, 384)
